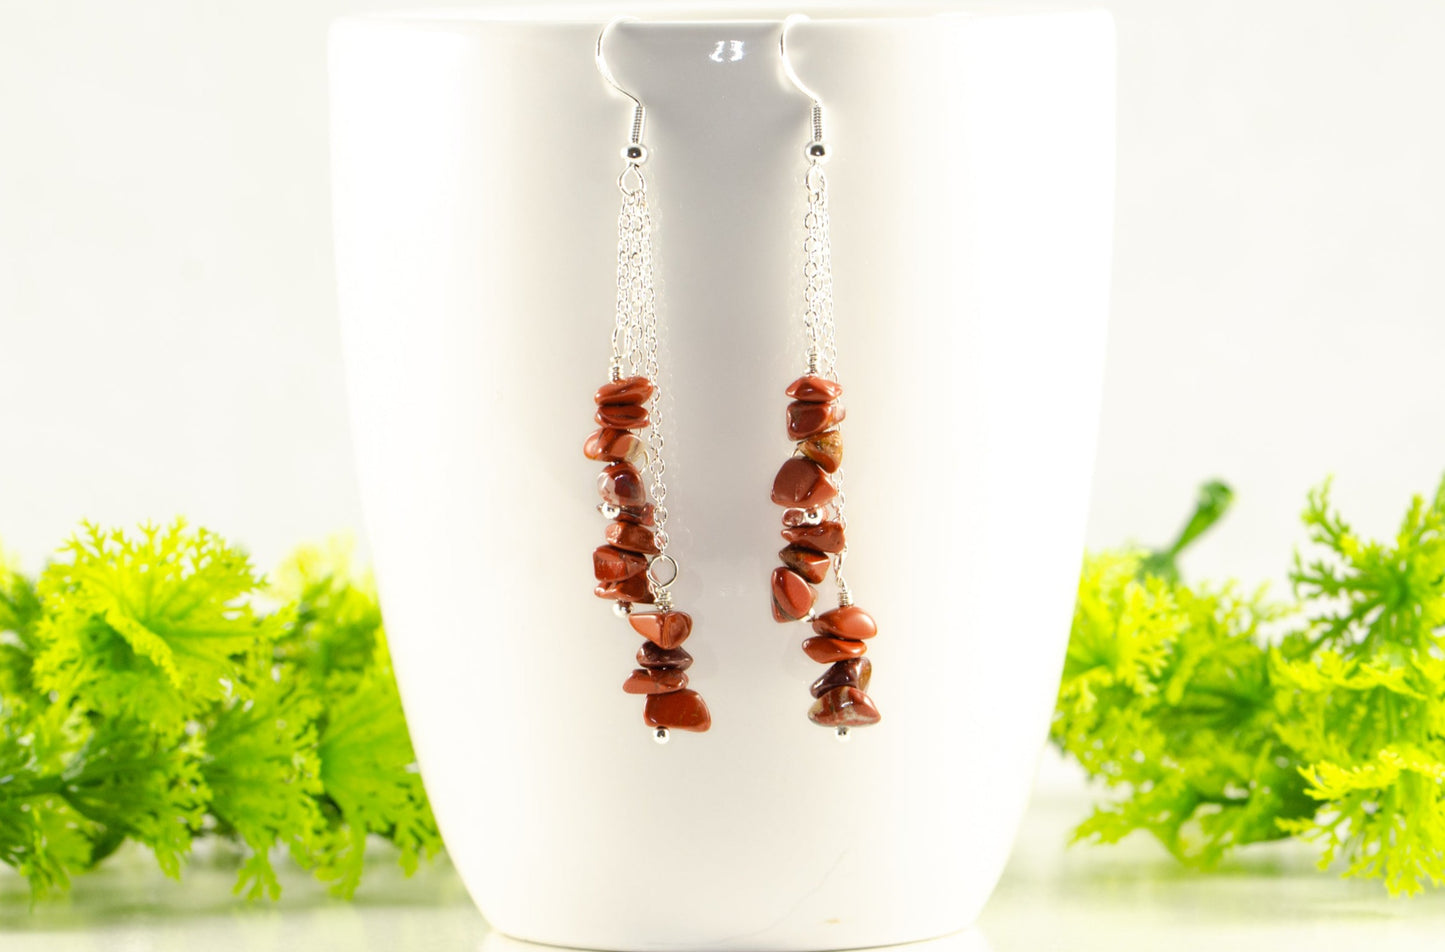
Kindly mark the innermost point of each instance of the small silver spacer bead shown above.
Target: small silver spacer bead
(621, 609)
(843, 735)
(608, 510)
(816, 151)
(635, 153)
(812, 517)
(661, 735)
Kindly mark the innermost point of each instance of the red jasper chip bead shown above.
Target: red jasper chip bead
(628, 390)
(682, 710)
(633, 538)
(806, 419)
(825, 536)
(814, 389)
(634, 589)
(809, 563)
(615, 446)
(627, 416)
(651, 656)
(849, 622)
(664, 629)
(793, 597)
(611, 564)
(660, 681)
(844, 706)
(854, 672)
(825, 449)
(802, 483)
(826, 650)
(621, 485)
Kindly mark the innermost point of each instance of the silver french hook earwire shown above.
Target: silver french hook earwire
(816, 149)
(634, 152)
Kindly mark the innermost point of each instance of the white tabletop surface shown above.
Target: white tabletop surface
(1121, 898)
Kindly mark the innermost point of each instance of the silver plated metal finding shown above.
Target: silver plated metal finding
(818, 323)
(634, 330)
(639, 112)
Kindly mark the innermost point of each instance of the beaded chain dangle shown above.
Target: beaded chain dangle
(810, 484)
(633, 568)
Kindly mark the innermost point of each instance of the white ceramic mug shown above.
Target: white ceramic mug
(476, 157)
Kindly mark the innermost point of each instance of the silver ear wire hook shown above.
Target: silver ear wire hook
(817, 149)
(634, 152)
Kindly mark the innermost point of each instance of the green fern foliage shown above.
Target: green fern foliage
(148, 695)
(1220, 719)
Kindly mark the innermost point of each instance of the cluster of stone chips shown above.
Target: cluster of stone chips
(805, 488)
(621, 563)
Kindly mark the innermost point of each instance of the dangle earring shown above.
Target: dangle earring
(633, 568)
(810, 484)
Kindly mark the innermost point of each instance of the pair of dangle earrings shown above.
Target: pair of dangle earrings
(633, 568)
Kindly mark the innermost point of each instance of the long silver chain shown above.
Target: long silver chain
(635, 341)
(818, 321)
(634, 273)
(818, 272)
(656, 465)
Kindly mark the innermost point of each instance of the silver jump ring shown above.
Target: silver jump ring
(640, 186)
(652, 575)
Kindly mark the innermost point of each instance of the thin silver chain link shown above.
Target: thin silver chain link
(634, 334)
(818, 273)
(633, 262)
(656, 464)
(818, 321)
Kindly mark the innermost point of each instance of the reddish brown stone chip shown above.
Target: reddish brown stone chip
(621, 485)
(633, 538)
(661, 681)
(809, 563)
(814, 389)
(792, 595)
(682, 710)
(611, 564)
(825, 536)
(854, 672)
(615, 445)
(634, 589)
(844, 707)
(628, 416)
(825, 449)
(849, 622)
(806, 419)
(802, 482)
(664, 629)
(624, 391)
(651, 656)
(826, 650)
(637, 515)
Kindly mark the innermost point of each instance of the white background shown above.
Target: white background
(168, 341)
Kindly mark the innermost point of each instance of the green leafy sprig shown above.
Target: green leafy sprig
(146, 695)
(1221, 719)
